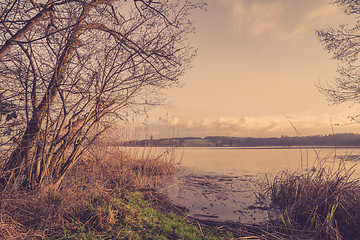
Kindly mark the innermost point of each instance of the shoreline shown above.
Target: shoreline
(300, 147)
(217, 197)
(281, 148)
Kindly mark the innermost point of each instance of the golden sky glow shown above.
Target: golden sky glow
(258, 61)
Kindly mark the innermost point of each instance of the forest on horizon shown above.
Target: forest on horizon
(341, 139)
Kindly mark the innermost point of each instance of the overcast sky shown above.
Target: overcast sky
(257, 68)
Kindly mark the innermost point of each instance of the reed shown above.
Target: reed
(113, 167)
(321, 204)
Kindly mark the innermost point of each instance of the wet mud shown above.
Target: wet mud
(217, 197)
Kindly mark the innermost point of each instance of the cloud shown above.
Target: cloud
(280, 19)
(256, 18)
(264, 126)
(174, 121)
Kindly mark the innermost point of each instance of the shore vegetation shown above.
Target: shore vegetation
(108, 195)
(322, 203)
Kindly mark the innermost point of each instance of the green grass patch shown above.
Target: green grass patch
(199, 143)
(128, 215)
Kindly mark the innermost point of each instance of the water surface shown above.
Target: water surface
(219, 183)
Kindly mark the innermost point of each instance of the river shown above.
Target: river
(221, 183)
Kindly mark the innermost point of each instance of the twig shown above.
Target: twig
(202, 234)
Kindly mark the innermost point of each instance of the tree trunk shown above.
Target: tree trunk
(18, 159)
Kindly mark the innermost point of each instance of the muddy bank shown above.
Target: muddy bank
(217, 197)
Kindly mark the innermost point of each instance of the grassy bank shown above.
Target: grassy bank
(125, 214)
(107, 196)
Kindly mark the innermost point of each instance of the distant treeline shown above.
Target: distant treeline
(343, 139)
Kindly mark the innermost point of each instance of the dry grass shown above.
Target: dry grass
(322, 204)
(85, 199)
(120, 167)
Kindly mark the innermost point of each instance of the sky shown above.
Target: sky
(256, 73)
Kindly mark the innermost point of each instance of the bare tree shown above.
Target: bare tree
(72, 66)
(344, 43)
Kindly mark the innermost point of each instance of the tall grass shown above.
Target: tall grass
(113, 167)
(93, 197)
(320, 204)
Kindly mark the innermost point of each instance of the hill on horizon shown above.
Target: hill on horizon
(340, 139)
